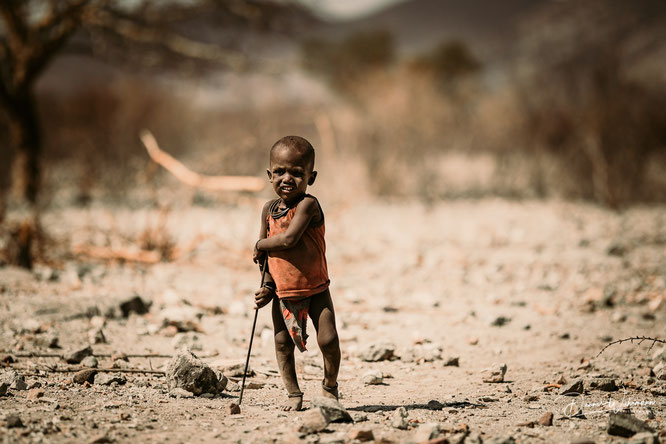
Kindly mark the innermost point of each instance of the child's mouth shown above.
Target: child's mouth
(287, 189)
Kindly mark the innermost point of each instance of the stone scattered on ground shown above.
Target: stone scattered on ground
(644, 438)
(500, 321)
(659, 371)
(134, 305)
(13, 379)
(188, 372)
(13, 421)
(332, 408)
(183, 317)
(35, 394)
(85, 375)
(377, 352)
(3, 388)
(50, 339)
(427, 431)
(180, 393)
(90, 361)
(97, 336)
(109, 378)
(422, 353)
(452, 361)
(233, 408)
(546, 419)
(362, 435)
(495, 373)
(575, 387)
(603, 384)
(76, 356)
(313, 421)
(373, 377)
(399, 419)
(626, 425)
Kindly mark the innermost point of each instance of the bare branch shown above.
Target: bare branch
(189, 177)
(640, 339)
(173, 42)
(13, 13)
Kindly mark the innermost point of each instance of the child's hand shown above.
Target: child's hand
(262, 297)
(258, 256)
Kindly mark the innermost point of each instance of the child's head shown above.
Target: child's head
(291, 167)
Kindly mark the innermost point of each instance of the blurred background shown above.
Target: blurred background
(414, 99)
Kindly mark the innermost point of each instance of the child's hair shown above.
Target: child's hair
(299, 144)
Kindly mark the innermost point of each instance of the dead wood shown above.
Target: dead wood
(196, 180)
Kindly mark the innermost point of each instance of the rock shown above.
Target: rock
(399, 419)
(97, 336)
(90, 361)
(233, 408)
(186, 339)
(422, 353)
(75, 357)
(604, 384)
(313, 421)
(644, 438)
(222, 381)
(101, 439)
(13, 379)
(188, 372)
(452, 361)
(332, 408)
(561, 380)
(7, 359)
(377, 352)
(109, 378)
(501, 440)
(35, 394)
(85, 375)
(494, 373)
(236, 371)
(373, 377)
(3, 388)
(433, 404)
(180, 393)
(134, 305)
(659, 371)
(13, 421)
(427, 431)
(616, 248)
(546, 420)
(573, 388)
(362, 435)
(500, 321)
(184, 317)
(50, 339)
(626, 425)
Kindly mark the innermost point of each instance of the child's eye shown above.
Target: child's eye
(278, 171)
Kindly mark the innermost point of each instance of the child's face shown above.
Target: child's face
(290, 173)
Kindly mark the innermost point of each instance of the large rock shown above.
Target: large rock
(332, 408)
(377, 352)
(626, 425)
(188, 372)
(399, 419)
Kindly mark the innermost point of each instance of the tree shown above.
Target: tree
(33, 32)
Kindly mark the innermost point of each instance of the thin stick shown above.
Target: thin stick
(100, 370)
(640, 339)
(196, 180)
(97, 355)
(254, 325)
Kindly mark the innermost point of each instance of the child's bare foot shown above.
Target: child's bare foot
(294, 403)
(329, 392)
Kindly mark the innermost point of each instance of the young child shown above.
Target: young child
(292, 235)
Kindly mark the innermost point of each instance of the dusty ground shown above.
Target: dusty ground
(567, 277)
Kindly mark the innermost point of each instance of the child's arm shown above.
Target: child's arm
(265, 294)
(306, 210)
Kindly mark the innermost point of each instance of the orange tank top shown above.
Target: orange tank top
(300, 271)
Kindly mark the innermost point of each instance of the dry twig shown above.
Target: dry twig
(196, 180)
(640, 339)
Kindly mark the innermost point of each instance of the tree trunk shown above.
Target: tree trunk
(24, 138)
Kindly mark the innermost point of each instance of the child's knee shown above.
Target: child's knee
(328, 343)
(283, 342)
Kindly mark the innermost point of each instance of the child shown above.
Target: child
(292, 235)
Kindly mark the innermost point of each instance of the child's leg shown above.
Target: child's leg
(284, 351)
(323, 318)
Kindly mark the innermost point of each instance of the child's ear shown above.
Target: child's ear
(270, 176)
(313, 176)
